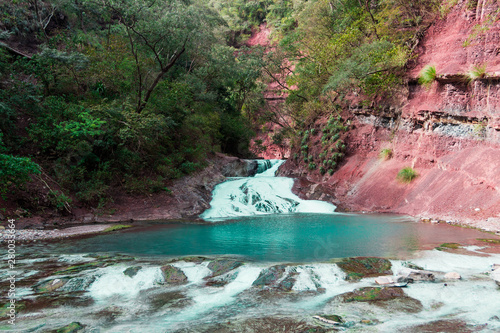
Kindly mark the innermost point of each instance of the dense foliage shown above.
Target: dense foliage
(127, 93)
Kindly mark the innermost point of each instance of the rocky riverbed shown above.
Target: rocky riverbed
(440, 289)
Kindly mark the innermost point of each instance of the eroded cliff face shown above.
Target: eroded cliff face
(449, 133)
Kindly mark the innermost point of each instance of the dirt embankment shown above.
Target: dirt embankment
(449, 133)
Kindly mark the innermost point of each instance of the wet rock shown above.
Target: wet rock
(50, 285)
(132, 271)
(455, 326)
(287, 283)
(221, 280)
(79, 283)
(421, 276)
(269, 276)
(194, 259)
(173, 299)
(385, 297)
(360, 267)
(5, 310)
(74, 269)
(330, 319)
(173, 275)
(71, 328)
(395, 281)
(452, 276)
(369, 321)
(109, 314)
(372, 294)
(240, 168)
(76, 299)
(222, 266)
(267, 325)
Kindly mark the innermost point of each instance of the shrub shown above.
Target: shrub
(15, 171)
(406, 175)
(427, 76)
(386, 154)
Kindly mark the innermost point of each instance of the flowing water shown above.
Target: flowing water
(261, 261)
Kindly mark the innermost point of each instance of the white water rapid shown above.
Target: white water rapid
(263, 194)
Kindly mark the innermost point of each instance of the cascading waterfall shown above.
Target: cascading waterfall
(262, 194)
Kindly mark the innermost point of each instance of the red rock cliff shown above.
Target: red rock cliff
(449, 133)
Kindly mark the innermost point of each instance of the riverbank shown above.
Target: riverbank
(33, 235)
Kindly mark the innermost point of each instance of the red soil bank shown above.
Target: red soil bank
(450, 134)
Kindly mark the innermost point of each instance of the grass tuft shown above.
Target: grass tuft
(427, 76)
(406, 175)
(477, 72)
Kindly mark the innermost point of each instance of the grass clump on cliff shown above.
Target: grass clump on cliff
(427, 76)
(386, 154)
(477, 72)
(407, 175)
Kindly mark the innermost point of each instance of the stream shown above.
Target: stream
(264, 260)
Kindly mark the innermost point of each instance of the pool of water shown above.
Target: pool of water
(279, 238)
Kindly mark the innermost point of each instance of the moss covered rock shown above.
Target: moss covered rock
(132, 271)
(173, 275)
(386, 297)
(222, 266)
(71, 328)
(361, 267)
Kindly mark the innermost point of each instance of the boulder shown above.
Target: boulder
(173, 275)
(452, 276)
(372, 294)
(392, 281)
(223, 266)
(392, 297)
(269, 276)
(50, 285)
(221, 280)
(360, 267)
(132, 271)
(421, 276)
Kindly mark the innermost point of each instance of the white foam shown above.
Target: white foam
(112, 282)
(327, 276)
(207, 298)
(194, 272)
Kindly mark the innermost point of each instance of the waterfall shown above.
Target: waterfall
(262, 194)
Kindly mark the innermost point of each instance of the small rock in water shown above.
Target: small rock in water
(395, 281)
(452, 276)
(383, 280)
(173, 275)
(50, 285)
(132, 271)
(361, 267)
(421, 276)
(71, 328)
(495, 275)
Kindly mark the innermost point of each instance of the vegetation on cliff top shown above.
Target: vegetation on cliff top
(126, 94)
